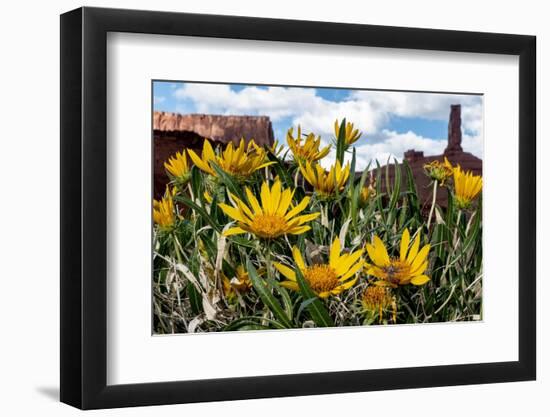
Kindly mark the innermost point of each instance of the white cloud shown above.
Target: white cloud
(158, 99)
(391, 147)
(276, 102)
(370, 111)
(408, 104)
(432, 106)
(473, 144)
(320, 118)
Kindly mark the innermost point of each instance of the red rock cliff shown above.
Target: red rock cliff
(173, 132)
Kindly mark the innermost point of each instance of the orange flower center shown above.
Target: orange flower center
(375, 298)
(396, 271)
(321, 278)
(269, 225)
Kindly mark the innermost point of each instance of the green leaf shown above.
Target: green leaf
(195, 299)
(303, 305)
(379, 191)
(229, 182)
(267, 297)
(352, 168)
(284, 295)
(282, 171)
(412, 193)
(396, 186)
(204, 215)
(341, 142)
(196, 182)
(246, 321)
(318, 312)
(253, 327)
(395, 193)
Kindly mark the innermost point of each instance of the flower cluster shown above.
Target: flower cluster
(266, 237)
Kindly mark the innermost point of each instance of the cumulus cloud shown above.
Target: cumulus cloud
(370, 111)
(277, 102)
(473, 144)
(159, 99)
(392, 146)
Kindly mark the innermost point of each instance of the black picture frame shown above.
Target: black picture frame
(84, 207)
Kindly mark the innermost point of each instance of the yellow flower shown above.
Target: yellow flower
(351, 135)
(324, 279)
(240, 283)
(163, 211)
(367, 192)
(375, 298)
(326, 183)
(178, 167)
(240, 162)
(409, 268)
(438, 171)
(467, 187)
(272, 218)
(308, 151)
(378, 299)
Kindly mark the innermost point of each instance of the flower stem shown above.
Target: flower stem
(268, 260)
(177, 248)
(190, 189)
(434, 197)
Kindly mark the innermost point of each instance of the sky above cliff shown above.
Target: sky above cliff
(392, 122)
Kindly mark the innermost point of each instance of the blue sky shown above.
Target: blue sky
(391, 121)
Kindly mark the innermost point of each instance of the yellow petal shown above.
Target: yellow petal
(335, 250)
(207, 151)
(346, 285)
(352, 271)
(308, 173)
(372, 252)
(199, 162)
(414, 249)
(232, 212)
(285, 270)
(405, 240)
(420, 280)
(286, 199)
(275, 196)
(306, 218)
(234, 231)
(382, 257)
(299, 230)
(245, 211)
(376, 272)
(290, 285)
(346, 261)
(264, 165)
(265, 196)
(420, 270)
(298, 258)
(383, 283)
(297, 209)
(421, 257)
(324, 152)
(253, 202)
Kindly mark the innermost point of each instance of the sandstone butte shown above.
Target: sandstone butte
(173, 132)
(453, 152)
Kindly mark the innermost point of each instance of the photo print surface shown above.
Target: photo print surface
(283, 207)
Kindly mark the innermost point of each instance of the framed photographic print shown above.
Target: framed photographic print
(283, 208)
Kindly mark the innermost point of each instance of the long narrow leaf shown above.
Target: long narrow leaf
(267, 297)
